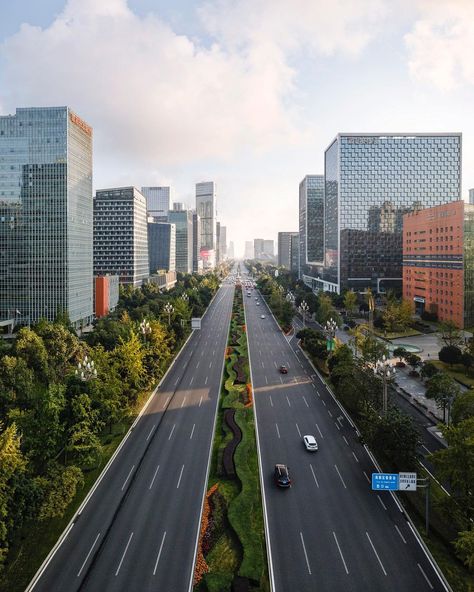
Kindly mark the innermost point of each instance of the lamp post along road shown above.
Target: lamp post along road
(303, 308)
(169, 309)
(145, 328)
(330, 332)
(86, 369)
(386, 371)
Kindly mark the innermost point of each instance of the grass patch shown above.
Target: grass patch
(456, 371)
(223, 561)
(396, 334)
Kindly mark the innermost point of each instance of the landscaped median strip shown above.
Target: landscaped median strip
(231, 548)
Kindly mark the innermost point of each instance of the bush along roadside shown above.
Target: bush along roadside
(231, 550)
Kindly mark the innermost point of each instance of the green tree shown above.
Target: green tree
(63, 348)
(16, 384)
(326, 310)
(405, 314)
(12, 464)
(350, 301)
(30, 347)
(400, 353)
(413, 360)
(450, 334)
(464, 546)
(450, 354)
(428, 370)
(371, 349)
(59, 489)
(444, 390)
(128, 359)
(463, 407)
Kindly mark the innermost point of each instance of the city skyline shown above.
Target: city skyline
(306, 89)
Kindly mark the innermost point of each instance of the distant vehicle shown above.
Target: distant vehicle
(258, 303)
(310, 443)
(282, 476)
(262, 316)
(283, 369)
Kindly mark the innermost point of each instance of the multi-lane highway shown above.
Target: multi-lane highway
(139, 529)
(329, 531)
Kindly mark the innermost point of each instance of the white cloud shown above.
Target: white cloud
(441, 44)
(159, 98)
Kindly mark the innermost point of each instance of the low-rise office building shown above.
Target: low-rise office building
(106, 297)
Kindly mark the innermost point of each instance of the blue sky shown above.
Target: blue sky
(248, 93)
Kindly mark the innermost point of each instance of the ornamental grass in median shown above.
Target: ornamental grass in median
(232, 541)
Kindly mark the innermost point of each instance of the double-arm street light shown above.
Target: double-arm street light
(290, 297)
(303, 308)
(330, 332)
(145, 328)
(386, 371)
(185, 297)
(86, 369)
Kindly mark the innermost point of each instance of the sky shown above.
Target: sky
(247, 93)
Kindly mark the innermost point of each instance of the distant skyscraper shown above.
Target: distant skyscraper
(218, 242)
(46, 218)
(161, 246)
(311, 226)
(231, 250)
(269, 247)
(206, 208)
(285, 242)
(471, 196)
(371, 180)
(258, 249)
(294, 252)
(183, 219)
(121, 235)
(223, 243)
(158, 201)
(249, 250)
(197, 261)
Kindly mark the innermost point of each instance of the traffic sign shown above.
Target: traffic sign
(407, 481)
(387, 481)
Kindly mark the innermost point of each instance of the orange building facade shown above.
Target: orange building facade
(106, 290)
(434, 261)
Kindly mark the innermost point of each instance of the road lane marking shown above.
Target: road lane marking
(197, 365)
(202, 353)
(213, 352)
(288, 401)
(319, 431)
(367, 477)
(191, 381)
(324, 402)
(180, 475)
(337, 425)
(330, 414)
(205, 382)
(172, 430)
(376, 554)
(184, 401)
(275, 363)
(278, 431)
(313, 385)
(380, 500)
(159, 552)
(426, 577)
(154, 476)
(123, 556)
(88, 555)
(128, 476)
(306, 402)
(177, 380)
(200, 401)
(340, 552)
(266, 380)
(427, 449)
(314, 475)
(192, 432)
(151, 432)
(281, 379)
(345, 440)
(210, 364)
(271, 401)
(354, 455)
(166, 402)
(340, 477)
(305, 554)
(263, 365)
(297, 427)
(401, 536)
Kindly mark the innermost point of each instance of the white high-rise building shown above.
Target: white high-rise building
(206, 210)
(158, 201)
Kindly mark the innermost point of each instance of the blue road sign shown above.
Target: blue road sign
(385, 481)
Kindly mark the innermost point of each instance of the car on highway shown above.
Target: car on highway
(282, 476)
(310, 443)
(283, 369)
(262, 316)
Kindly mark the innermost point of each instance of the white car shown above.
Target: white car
(310, 443)
(262, 317)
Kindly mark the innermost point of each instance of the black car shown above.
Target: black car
(283, 370)
(282, 476)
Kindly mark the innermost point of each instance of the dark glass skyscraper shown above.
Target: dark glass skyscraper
(46, 218)
(311, 227)
(371, 180)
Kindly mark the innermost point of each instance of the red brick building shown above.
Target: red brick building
(106, 290)
(437, 266)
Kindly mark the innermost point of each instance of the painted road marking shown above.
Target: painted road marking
(159, 552)
(180, 475)
(340, 552)
(166, 402)
(376, 554)
(151, 432)
(192, 432)
(288, 401)
(88, 555)
(297, 427)
(426, 577)
(128, 476)
(172, 430)
(367, 477)
(401, 536)
(271, 401)
(154, 476)
(200, 401)
(304, 399)
(319, 431)
(314, 475)
(337, 425)
(380, 500)
(205, 382)
(345, 440)
(354, 455)
(340, 477)
(184, 401)
(305, 554)
(123, 556)
(278, 431)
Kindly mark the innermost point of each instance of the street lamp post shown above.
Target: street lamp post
(303, 308)
(169, 310)
(330, 332)
(185, 297)
(145, 328)
(86, 369)
(386, 371)
(290, 297)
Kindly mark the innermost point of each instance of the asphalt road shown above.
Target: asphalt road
(139, 530)
(329, 531)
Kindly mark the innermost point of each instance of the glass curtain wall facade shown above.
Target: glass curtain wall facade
(46, 216)
(158, 201)
(161, 246)
(311, 228)
(121, 235)
(206, 209)
(370, 182)
(183, 219)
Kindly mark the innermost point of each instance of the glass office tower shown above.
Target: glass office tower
(371, 180)
(311, 227)
(46, 218)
